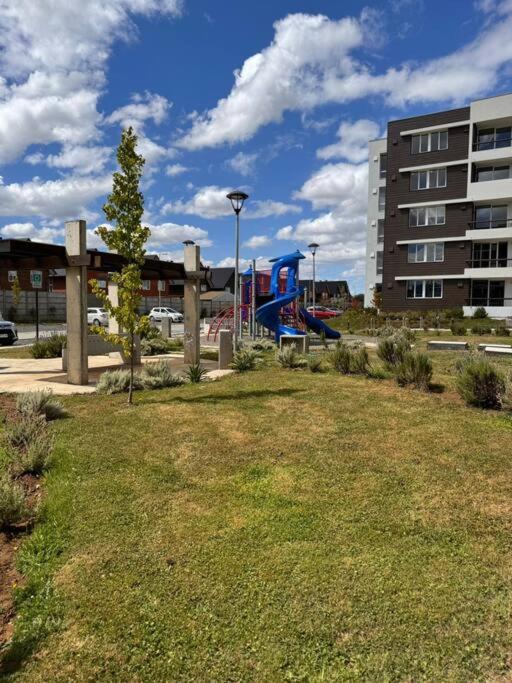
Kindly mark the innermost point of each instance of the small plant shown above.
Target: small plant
(260, 345)
(13, 506)
(340, 358)
(20, 433)
(480, 383)
(196, 373)
(159, 376)
(314, 363)
(40, 403)
(480, 313)
(458, 329)
(36, 457)
(323, 339)
(481, 329)
(414, 369)
(49, 348)
(288, 357)
(359, 361)
(117, 382)
(391, 350)
(244, 360)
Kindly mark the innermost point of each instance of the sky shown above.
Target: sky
(277, 97)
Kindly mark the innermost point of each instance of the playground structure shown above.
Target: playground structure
(270, 298)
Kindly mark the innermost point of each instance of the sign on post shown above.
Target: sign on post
(161, 285)
(12, 275)
(36, 279)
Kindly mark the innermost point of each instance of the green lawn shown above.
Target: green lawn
(279, 525)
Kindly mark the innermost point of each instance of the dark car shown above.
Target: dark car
(8, 332)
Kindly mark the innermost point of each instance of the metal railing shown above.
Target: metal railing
(494, 142)
(489, 262)
(490, 224)
(489, 301)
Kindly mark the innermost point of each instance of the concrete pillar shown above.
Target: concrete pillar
(225, 349)
(76, 302)
(192, 263)
(166, 328)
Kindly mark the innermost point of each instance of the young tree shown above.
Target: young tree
(124, 209)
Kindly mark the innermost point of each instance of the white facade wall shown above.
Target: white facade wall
(376, 148)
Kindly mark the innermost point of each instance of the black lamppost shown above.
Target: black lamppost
(313, 247)
(237, 199)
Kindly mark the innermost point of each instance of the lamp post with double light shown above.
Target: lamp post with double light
(237, 199)
(313, 247)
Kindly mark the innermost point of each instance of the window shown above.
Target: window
(430, 215)
(429, 142)
(380, 262)
(493, 138)
(382, 198)
(431, 252)
(487, 292)
(380, 231)
(424, 289)
(489, 255)
(424, 180)
(383, 160)
(485, 173)
(490, 217)
(146, 285)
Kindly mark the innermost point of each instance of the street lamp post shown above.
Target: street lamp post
(237, 200)
(313, 247)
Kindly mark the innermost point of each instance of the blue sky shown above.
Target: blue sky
(278, 98)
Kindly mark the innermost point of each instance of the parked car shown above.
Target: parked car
(8, 332)
(156, 315)
(322, 312)
(97, 317)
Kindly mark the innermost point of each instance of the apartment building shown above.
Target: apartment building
(375, 218)
(447, 230)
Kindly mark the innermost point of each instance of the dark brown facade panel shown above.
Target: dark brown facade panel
(456, 256)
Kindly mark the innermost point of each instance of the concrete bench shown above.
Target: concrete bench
(97, 346)
(447, 346)
(498, 351)
(301, 341)
(482, 347)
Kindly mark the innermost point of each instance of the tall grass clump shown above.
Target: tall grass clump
(49, 348)
(480, 383)
(415, 369)
(13, 506)
(359, 361)
(339, 358)
(28, 443)
(391, 350)
(245, 360)
(117, 382)
(289, 357)
(40, 403)
(196, 373)
(159, 376)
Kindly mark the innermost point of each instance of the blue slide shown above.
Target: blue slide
(268, 314)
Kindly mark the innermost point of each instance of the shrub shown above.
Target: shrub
(117, 381)
(260, 345)
(159, 376)
(480, 313)
(20, 433)
(36, 457)
(340, 358)
(480, 383)
(13, 507)
(209, 354)
(196, 373)
(359, 361)
(40, 403)
(415, 369)
(289, 357)
(391, 350)
(458, 329)
(457, 313)
(244, 360)
(481, 329)
(314, 363)
(154, 346)
(49, 348)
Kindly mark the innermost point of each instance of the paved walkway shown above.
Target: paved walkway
(29, 374)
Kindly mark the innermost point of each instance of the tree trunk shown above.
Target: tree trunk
(130, 388)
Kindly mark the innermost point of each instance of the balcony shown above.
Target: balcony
(495, 141)
(488, 268)
(496, 262)
(490, 224)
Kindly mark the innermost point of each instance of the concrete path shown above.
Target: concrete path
(29, 374)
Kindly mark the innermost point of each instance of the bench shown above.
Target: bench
(482, 347)
(498, 351)
(447, 346)
(97, 346)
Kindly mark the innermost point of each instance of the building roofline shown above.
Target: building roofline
(431, 113)
(492, 97)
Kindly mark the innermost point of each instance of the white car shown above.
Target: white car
(8, 332)
(156, 315)
(97, 317)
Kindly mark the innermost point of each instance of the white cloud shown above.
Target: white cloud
(285, 233)
(340, 185)
(262, 263)
(310, 63)
(353, 141)
(175, 169)
(243, 163)
(164, 234)
(30, 231)
(59, 199)
(211, 202)
(145, 107)
(84, 160)
(257, 241)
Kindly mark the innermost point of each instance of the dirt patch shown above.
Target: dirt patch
(10, 541)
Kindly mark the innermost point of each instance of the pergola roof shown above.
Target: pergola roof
(25, 254)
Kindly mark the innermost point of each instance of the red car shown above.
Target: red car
(322, 312)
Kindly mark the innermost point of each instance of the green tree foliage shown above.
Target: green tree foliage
(128, 237)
